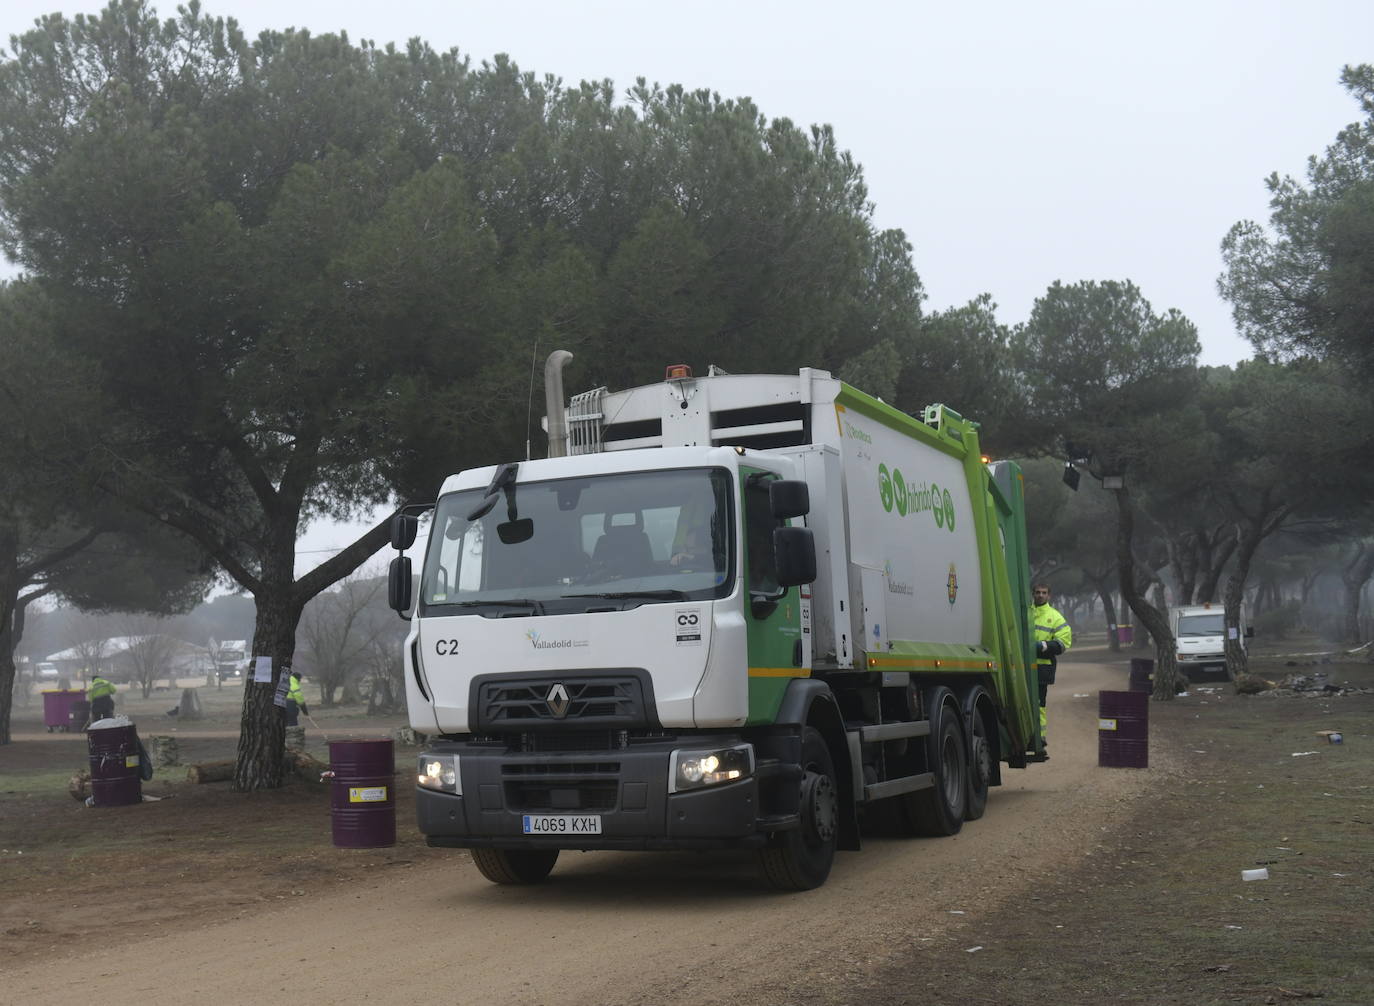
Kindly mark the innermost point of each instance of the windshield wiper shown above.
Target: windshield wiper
(535, 606)
(620, 595)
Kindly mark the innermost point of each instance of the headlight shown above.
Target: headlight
(695, 769)
(439, 772)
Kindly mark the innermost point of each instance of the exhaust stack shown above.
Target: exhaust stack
(554, 406)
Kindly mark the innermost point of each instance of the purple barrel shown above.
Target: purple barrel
(1123, 729)
(115, 764)
(363, 793)
(1142, 674)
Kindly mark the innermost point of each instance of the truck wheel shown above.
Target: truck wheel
(514, 866)
(940, 809)
(800, 859)
(979, 768)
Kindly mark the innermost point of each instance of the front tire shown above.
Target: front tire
(800, 859)
(515, 866)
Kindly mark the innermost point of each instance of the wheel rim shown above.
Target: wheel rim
(951, 774)
(822, 809)
(982, 761)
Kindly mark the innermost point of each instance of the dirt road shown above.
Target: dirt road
(633, 928)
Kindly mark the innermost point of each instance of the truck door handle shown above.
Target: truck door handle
(797, 653)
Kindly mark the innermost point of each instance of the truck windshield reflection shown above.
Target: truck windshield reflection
(614, 541)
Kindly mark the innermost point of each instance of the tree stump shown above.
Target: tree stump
(190, 705)
(80, 786)
(217, 771)
(164, 751)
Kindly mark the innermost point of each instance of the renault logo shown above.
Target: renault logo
(558, 701)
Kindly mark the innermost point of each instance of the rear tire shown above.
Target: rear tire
(940, 810)
(800, 859)
(979, 767)
(514, 866)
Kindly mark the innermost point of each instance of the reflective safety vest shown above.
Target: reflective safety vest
(1047, 624)
(293, 691)
(99, 688)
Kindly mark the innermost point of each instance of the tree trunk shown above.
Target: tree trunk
(1354, 575)
(1109, 615)
(7, 675)
(262, 726)
(10, 586)
(1155, 623)
(1249, 535)
(1218, 555)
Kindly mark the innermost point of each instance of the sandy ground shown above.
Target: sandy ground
(632, 928)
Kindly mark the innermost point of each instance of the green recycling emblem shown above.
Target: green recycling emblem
(899, 491)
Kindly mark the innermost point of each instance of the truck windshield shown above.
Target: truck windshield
(1200, 625)
(593, 542)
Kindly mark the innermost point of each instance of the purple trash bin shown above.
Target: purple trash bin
(363, 793)
(1123, 729)
(115, 766)
(57, 707)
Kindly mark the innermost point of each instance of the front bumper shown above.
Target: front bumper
(627, 788)
(1202, 667)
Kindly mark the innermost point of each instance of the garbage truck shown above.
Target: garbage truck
(765, 612)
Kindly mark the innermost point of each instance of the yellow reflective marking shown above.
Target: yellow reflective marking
(779, 672)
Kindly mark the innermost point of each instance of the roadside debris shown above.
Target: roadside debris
(1315, 684)
(1261, 874)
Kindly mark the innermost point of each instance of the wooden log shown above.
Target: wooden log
(301, 764)
(215, 771)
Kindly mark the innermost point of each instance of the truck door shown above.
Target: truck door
(773, 614)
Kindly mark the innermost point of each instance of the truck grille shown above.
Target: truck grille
(561, 786)
(570, 740)
(534, 703)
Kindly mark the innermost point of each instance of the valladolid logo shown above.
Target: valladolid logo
(911, 498)
(540, 643)
(895, 586)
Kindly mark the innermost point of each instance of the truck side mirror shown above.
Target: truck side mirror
(398, 585)
(789, 498)
(794, 553)
(404, 528)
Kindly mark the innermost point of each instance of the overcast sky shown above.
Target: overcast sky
(1015, 143)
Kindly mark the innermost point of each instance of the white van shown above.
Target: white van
(1200, 632)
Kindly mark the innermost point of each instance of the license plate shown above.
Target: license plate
(562, 824)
